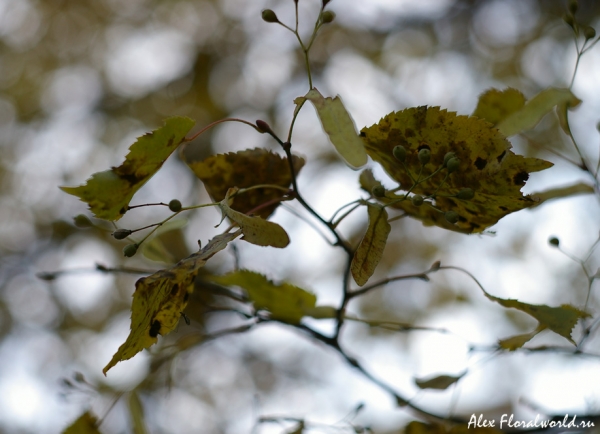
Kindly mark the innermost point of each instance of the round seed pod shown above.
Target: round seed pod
(130, 249)
(399, 153)
(451, 216)
(424, 156)
(465, 194)
(417, 200)
(453, 164)
(378, 191)
(327, 17)
(175, 205)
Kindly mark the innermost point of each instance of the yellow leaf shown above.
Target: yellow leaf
(286, 302)
(487, 166)
(440, 382)
(85, 424)
(515, 342)
(560, 320)
(245, 169)
(108, 193)
(255, 229)
(370, 250)
(338, 126)
(495, 105)
(535, 109)
(160, 298)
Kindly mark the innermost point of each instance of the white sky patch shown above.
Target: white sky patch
(141, 61)
(83, 293)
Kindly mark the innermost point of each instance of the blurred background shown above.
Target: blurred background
(80, 80)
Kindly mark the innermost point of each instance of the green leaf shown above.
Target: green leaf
(515, 342)
(535, 109)
(370, 250)
(560, 320)
(440, 382)
(85, 424)
(286, 302)
(136, 411)
(160, 298)
(255, 229)
(108, 193)
(495, 105)
(339, 126)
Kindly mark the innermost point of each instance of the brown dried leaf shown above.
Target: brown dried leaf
(245, 169)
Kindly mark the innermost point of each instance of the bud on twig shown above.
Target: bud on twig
(121, 234)
(269, 16)
(263, 127)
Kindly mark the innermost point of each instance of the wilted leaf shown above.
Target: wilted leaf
(245, 169)
(535, 109)
(286, 302)
(108, 193)
(339, 126)
(160, 298)
(440, 382)
(487, 166)
(85, 424)
(370, 250)
(495, 105)
(515, 342)
(136, 410)
(255, 229)
(560, 320)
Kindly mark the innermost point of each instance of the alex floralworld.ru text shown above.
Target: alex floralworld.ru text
(507, 421)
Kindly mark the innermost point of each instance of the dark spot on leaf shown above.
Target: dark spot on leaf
(362, 134)
(174, 290)
(480, 163)
(154, 328)
(186, 297)
(122, 210)
(520, 178)
(501, 156)
(423, 146)
(503, 208)
(131, 178)
(409, 132)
